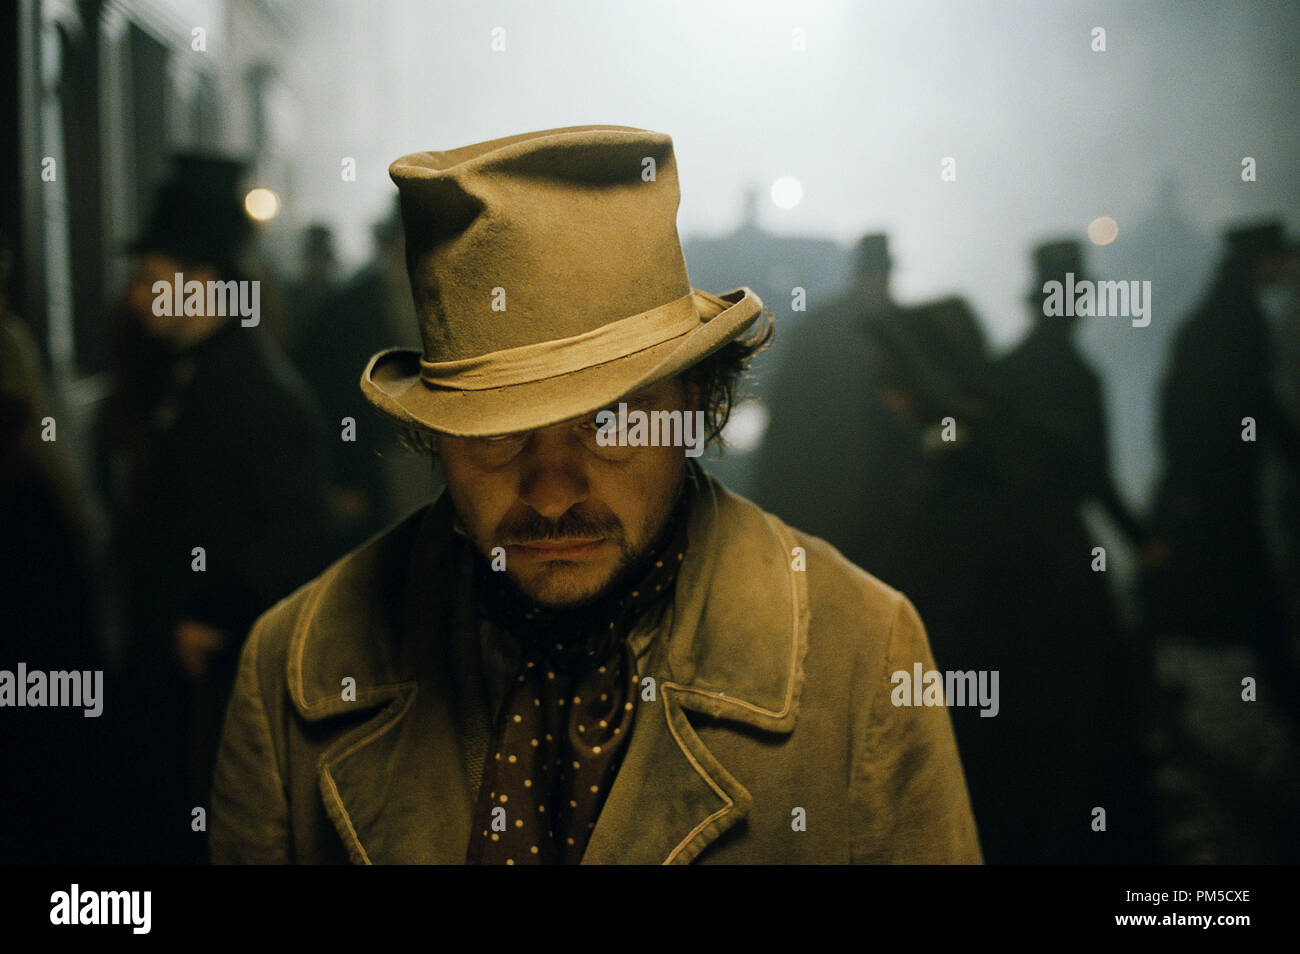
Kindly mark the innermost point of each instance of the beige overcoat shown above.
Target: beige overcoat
(771, 736)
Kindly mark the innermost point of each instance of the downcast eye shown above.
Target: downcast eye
(593, 423)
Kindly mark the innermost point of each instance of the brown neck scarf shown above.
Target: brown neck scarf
(567, 716)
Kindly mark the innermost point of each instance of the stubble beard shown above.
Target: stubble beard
(560, 584)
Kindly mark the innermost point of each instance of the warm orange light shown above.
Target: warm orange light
(1102, 230)
(262, 205)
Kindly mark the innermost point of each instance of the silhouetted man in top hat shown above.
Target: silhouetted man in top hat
(833, 454)
(1085, 725)
(315, 286)
(1047, 378)
(1220, 421)
(325, 351)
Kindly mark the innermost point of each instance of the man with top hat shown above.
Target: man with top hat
(1047, 378)
(1211, 576)
(212, 467)
(1080, 674)
(585, 650)
(832, 480)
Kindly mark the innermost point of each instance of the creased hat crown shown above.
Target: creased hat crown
(539, 237)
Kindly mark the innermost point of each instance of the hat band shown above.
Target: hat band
(548, 359)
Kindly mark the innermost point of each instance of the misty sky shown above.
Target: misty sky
(1047, 134)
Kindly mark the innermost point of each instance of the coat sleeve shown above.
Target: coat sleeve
(908, 791)
(250, 809)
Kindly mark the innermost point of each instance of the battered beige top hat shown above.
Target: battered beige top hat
(548, 280)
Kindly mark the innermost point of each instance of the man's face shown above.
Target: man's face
(570, 514)
(154, 267)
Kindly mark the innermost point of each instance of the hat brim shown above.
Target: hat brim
(392, 382)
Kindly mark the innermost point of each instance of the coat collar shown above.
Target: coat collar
(730, 647)
(740, 617)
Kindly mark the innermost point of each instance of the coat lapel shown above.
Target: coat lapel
(671, 798)
(394, 785)
(732, 649)
(387, 788)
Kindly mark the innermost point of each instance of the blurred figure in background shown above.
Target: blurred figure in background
(902, 445)
(1055, 391)
(833, 459)
(1048, 380)
(209, 440)
(376, 480)
(1211, 575)
(316, 285)
(996, 556)
(56, 760)
(45, 543)
(1285, 484)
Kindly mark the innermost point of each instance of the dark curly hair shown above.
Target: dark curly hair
(719, 377)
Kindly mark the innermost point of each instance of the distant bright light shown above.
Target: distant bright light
(744, 431)
(1102, 231)
(262, 205)
(787, 192)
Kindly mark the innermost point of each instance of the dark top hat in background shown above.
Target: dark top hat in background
(1052, 262)
(871, 255)
(198, 212)
(318, 240)
(1245, 242)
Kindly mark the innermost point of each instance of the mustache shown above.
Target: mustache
(534, 528)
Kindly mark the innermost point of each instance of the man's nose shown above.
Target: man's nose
(552, 478)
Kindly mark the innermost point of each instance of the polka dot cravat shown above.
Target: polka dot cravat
(562, 737)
